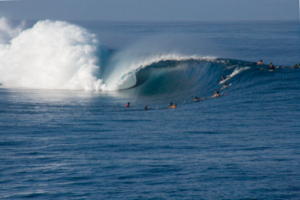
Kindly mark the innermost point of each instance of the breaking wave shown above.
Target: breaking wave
(60, 55)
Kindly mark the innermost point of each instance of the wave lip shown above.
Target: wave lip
(51, 55)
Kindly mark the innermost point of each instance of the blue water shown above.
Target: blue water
(66, 144)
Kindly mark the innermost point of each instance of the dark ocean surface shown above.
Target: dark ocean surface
(76, 144)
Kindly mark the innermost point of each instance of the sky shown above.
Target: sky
(150, 10)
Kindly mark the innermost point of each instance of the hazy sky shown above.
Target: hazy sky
(151, 10)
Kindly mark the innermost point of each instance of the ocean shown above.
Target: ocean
(65, 132)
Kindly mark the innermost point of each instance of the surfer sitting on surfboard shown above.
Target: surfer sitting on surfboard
(127, 105)
(217, 95)
(271, 66)
(170, 105)
(196, 99)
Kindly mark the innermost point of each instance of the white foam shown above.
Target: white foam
(50, 55)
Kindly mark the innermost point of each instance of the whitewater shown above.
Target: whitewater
(50, 55)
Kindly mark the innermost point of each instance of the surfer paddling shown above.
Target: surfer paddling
(224, 86)
(272, 67)
(224, 78)
(259, 63)
(174, 106)
(217, 95)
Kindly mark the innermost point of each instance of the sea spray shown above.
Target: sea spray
(50, 55)
(7, 32)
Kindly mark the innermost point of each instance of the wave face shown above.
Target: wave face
(50, 55)
(126, 72)
(189, 77)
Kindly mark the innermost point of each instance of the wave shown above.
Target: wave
(187, 77)
(124, 74)
(60, 55)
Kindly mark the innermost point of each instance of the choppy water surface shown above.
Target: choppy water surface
(60, 143)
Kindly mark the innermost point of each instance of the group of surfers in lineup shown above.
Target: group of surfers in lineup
(146, 107)
(272, 67)
(217, 93)
(196, 99)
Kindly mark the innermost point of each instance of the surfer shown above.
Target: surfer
(295, 66)
(217, 95)
(170, 105)
(259, 63)
(127, 105)
(224, 86)
(146, 107)
(224, 78)
(271, 66)
(174, 106)
(196, 99)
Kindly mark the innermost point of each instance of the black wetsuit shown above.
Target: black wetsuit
(272, 67)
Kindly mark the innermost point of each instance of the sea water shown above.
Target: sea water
(65, 132)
